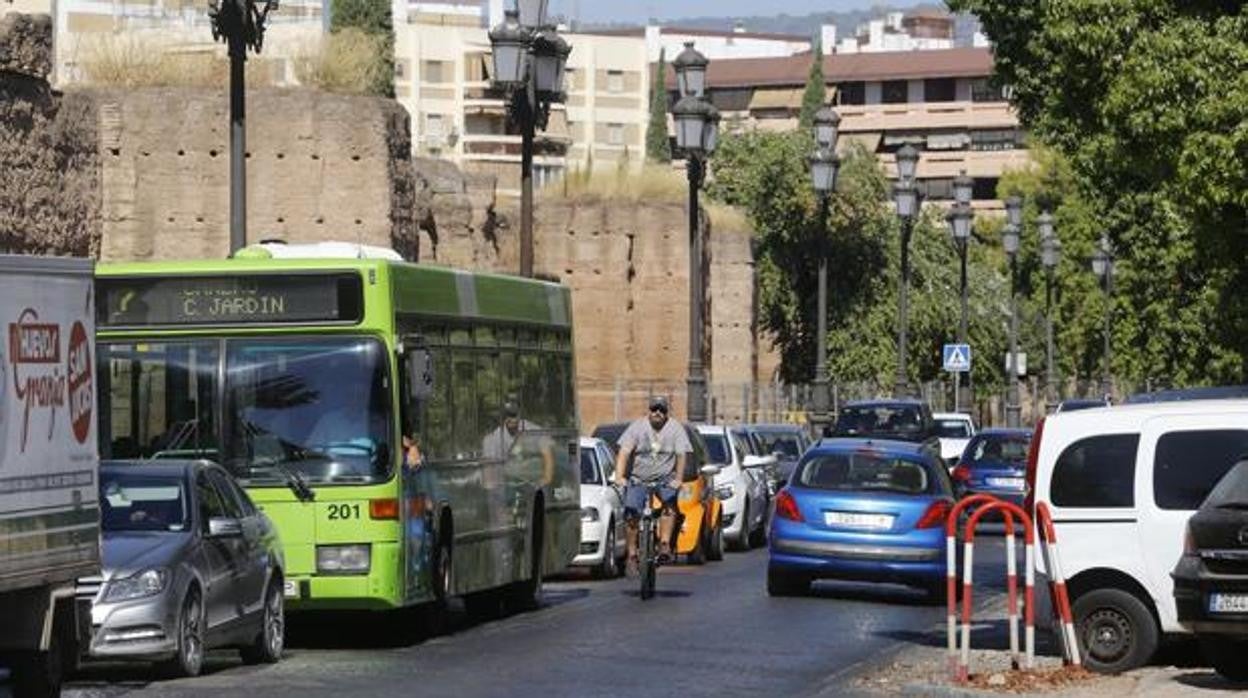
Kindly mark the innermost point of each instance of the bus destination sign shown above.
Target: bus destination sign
(229, 300)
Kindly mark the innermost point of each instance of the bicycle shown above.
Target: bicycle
(648, 539)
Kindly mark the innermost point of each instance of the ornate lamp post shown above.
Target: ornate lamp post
(697, 133)
(906, 194)
(240, 24)
(824, 165)
(529, 62)
(1009, 241)
(1050, 255)
(1103, 267)
(961, 217)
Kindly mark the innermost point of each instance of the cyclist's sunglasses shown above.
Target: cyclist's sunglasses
(658, 407)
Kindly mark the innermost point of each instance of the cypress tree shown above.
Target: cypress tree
(658, 147)
(373, 18)
(816, 91)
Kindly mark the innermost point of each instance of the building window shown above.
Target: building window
(570, 76)
(936, 189)
(434, 71)
(433, 126)
(400, 69)
(985, 188)
(852, 93)
(983, 90)
(895, 92)
(615, 81)
(615, 134)
(940, 90)
(1000, 139)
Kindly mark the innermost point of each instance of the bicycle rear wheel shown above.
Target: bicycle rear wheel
(647, 555)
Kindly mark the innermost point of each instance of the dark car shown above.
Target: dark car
(1074, 404)
(894, 420)
(865, 511)
(1211, 579)
(995, 463)
(189, 564)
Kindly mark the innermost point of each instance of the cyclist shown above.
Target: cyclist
(659, 448)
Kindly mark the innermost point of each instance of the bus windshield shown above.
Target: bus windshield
(319, 408)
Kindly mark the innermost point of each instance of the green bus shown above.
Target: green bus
(309, 378)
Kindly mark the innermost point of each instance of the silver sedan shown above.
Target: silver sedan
(190, 564)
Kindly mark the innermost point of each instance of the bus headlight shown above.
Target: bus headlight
(589, 514)
(343, 559)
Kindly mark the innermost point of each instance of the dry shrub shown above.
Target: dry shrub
(348, 61)
(121, 60)
(651, 183)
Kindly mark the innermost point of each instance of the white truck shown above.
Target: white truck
(49, 466)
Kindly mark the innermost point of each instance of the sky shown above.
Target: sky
(638, 11)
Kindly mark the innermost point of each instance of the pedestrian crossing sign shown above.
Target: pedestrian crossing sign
(957, 358)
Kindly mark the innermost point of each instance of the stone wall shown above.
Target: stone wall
(49, 157)
(319, 167)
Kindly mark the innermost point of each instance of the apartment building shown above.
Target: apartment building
(714, 44)
(941, 101)
(442, 77)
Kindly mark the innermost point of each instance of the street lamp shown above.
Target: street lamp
(1050, 255)
(697, 134)
(824, 165)
(1009, 241)
(906, 193)
(1103, 267)
(529, 60)
(240, 23)
(960, 218)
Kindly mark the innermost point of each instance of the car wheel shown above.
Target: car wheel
(1116, 631)
(609, 567)
(786, 583)
(189, 659)
(715, 551)
(742, 542)
(758, 536)
(697, 556)
(271, 640)
(1226, 654)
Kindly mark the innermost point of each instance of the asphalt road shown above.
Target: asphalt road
(711, 631)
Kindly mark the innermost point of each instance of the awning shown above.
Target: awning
(870, 141)
(776, 99)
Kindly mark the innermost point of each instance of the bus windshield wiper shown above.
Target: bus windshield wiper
(294, 480)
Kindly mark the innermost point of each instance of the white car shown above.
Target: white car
(954, 429)
(742, 486)
(603, 541)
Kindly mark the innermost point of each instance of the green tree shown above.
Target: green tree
(658, 146)
(373, 18)
(816, 94)
(1148, 102)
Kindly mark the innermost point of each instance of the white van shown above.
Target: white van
(1121, 483)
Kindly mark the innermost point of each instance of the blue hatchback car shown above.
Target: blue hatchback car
(863, 510)
(994, 462)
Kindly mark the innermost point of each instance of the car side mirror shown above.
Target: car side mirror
(710, 470)
(224, 528)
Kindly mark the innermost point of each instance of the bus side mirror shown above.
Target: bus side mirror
(418, 367)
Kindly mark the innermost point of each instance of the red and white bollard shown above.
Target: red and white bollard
(1057, 586)
(1007, 508)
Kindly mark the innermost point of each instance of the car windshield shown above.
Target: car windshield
(590, 474)
(134, 502)
(1232, 490)
(879, 419)
(610, 433)
(953, 429)
(1011, 450)
(866, 471)
(716, 448)
(786, 444)
(316, 407)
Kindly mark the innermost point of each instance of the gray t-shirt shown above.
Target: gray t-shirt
(654, 453)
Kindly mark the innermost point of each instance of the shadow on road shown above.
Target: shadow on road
(1209, 680)
(669, 594)
(871, 593)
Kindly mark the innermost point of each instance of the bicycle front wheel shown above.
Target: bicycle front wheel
(647, 558)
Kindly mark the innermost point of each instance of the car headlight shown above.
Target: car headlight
(589, 514)
(343, 559)
(137, 586)
(724, 491)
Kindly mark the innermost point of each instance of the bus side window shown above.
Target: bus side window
(436, 441)
(465, 440)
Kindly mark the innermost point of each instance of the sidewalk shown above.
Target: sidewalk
(921, 668)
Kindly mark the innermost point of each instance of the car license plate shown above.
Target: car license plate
(1228, 603)
(1007, 483)
(290, 588)
(856, 520)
